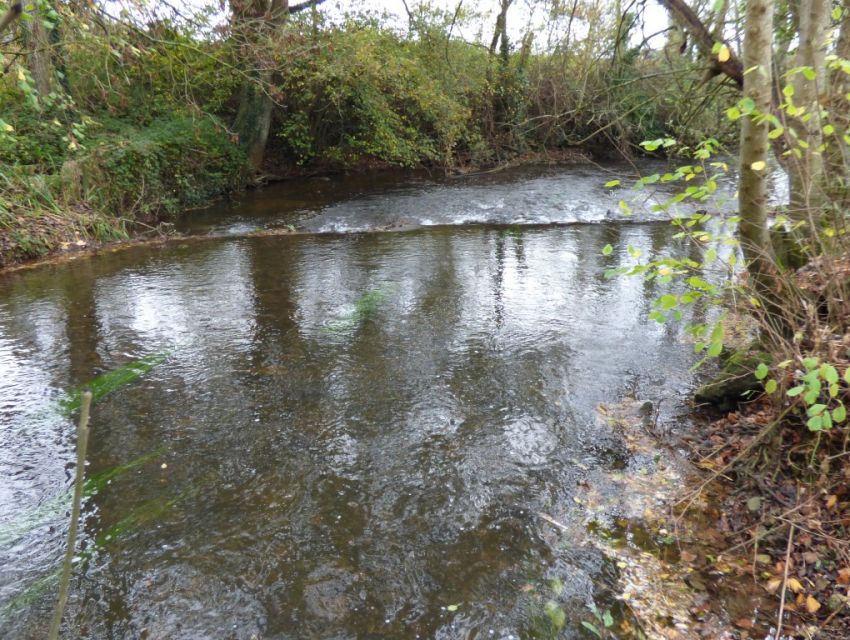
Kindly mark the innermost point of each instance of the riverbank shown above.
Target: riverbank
(100, 202)
(716, 545)
(125, 182)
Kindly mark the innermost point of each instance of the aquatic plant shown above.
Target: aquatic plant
(106, 383)
(365, 307)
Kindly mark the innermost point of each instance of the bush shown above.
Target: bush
(175, 162)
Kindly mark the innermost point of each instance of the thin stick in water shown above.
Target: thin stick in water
(79, 480)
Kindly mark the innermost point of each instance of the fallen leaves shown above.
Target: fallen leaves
(812, 605)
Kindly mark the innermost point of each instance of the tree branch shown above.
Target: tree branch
(690, 21)
(301, 6)
(10, 16)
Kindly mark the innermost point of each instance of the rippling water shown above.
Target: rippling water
(351, 436)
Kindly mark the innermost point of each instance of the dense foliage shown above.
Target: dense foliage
(112, 111)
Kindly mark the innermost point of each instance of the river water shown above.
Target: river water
(349, 435)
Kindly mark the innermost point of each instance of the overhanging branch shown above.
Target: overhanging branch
(307, 4)
(690, 21)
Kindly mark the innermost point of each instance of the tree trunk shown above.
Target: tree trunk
(254, 118)
(838, 152)
(752, 191)
(255, 19)
(806, 170)
(39, 60)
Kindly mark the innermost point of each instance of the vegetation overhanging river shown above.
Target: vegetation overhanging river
(349, 435)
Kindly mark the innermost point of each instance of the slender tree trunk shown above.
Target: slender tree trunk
(806, 171)
(39, 60)
(752, 191)
(254, 117)
(837, 159)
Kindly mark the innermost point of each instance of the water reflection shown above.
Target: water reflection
(356, 431)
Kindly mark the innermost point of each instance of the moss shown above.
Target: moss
(735, 381)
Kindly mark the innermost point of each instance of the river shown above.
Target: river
(351, 433)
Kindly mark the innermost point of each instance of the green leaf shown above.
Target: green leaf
(770, 386)
(839, 414)
(746, 105)
(699, 283)
(815, 423)
(453, 607)
(816, 409)
(668, 301)
(718, 332)
(793, 392)
(829, 373)
(714, 349)
(761, 371)
(612, 183)
(811, 396)
(607, 250)
(810, 363)
(590, 627)
(827, 420)
(607, 619)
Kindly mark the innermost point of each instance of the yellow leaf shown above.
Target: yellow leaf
(831, 500)
(795, 585)
(812, 605)
(21, 75)
(758, 165)
(724, 54)
(7, 127)
(773, 585)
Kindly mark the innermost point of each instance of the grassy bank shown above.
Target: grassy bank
(127, 179)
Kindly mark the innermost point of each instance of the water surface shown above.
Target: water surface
(351, 436)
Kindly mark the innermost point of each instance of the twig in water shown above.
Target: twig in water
(79, 480)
